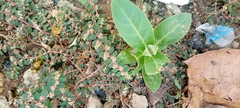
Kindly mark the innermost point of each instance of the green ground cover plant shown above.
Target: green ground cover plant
(72, 53)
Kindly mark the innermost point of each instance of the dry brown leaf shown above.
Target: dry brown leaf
(156, 96)
(85, 54)
(55, 31)
(57, 48)
(37, 64)
(214, 78)
(1, 82)
(111, 104)
(1, 79)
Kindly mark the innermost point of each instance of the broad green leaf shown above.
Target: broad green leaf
(140, 60)
(172, 29)
(153, 64)
(152, 81)
(150, 50)
(132, 24)
(126, 57)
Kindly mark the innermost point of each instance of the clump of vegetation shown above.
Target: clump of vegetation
(71, 52)
(147, 43)
(62, 53)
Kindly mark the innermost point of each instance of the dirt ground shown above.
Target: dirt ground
(203, 11)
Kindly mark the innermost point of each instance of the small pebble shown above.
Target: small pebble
(101, 95)
(15, 52)
(36, 1)
(174, 8)
(139, 101)
(6, 62)
(235, 45)
(109, 26)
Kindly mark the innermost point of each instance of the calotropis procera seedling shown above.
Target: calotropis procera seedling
(146, 42)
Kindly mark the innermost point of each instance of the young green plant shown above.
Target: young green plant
(146, 42)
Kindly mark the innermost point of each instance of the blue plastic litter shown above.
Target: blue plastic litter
(221, 35)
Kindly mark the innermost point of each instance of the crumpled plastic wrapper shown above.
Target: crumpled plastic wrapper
(221, 35)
